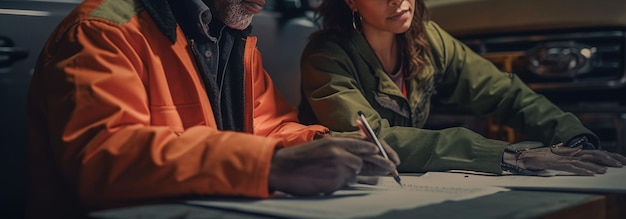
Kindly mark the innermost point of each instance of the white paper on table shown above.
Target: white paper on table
(613, 181)
(357, 201)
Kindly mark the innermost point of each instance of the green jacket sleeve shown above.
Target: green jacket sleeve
(472, 81)
(332, 89)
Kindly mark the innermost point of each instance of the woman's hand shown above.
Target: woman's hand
(556, 157)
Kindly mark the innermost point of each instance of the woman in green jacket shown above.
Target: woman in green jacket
(382, 57)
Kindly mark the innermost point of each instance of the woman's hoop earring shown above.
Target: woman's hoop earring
(354, 22)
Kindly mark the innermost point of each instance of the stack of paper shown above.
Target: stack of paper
(356, 201)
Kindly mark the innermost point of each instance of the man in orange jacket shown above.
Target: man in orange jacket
(138, 100)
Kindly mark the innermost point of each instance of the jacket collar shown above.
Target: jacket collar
(163, 17)
(385, 84)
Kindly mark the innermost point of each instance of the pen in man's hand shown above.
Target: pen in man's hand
(372, 137)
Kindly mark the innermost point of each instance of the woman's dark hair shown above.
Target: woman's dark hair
(334, 17)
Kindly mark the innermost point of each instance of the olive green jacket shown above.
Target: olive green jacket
(343, 76)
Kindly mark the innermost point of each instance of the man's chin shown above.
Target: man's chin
(240, 25)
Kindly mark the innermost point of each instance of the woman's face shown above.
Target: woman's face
(393, 16)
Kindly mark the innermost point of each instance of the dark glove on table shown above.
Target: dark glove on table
(528, 157)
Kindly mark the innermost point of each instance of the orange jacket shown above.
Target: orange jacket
(118, 114)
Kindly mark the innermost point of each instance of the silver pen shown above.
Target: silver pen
(372, 136)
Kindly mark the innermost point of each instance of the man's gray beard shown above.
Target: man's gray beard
(236, 17)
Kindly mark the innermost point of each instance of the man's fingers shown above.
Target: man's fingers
(370, 170)
(376, 165)
(352, 161)
(368, 180)
(352, 178)
(356, 146)
(393, 156)
(338, 151)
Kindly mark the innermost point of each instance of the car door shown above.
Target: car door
(24, 28)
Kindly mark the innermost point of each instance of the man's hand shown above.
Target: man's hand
(370, 176)
(557, 157)
(323, 166)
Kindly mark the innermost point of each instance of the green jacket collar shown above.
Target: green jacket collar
(385, 85)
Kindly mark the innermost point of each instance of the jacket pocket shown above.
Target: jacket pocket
(166, 116)
(388, 103)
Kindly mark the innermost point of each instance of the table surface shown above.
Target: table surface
(509, 204)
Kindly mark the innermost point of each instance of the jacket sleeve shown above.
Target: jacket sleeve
(273, 115)
(97, 126)
(473, 81)
(331, 87)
